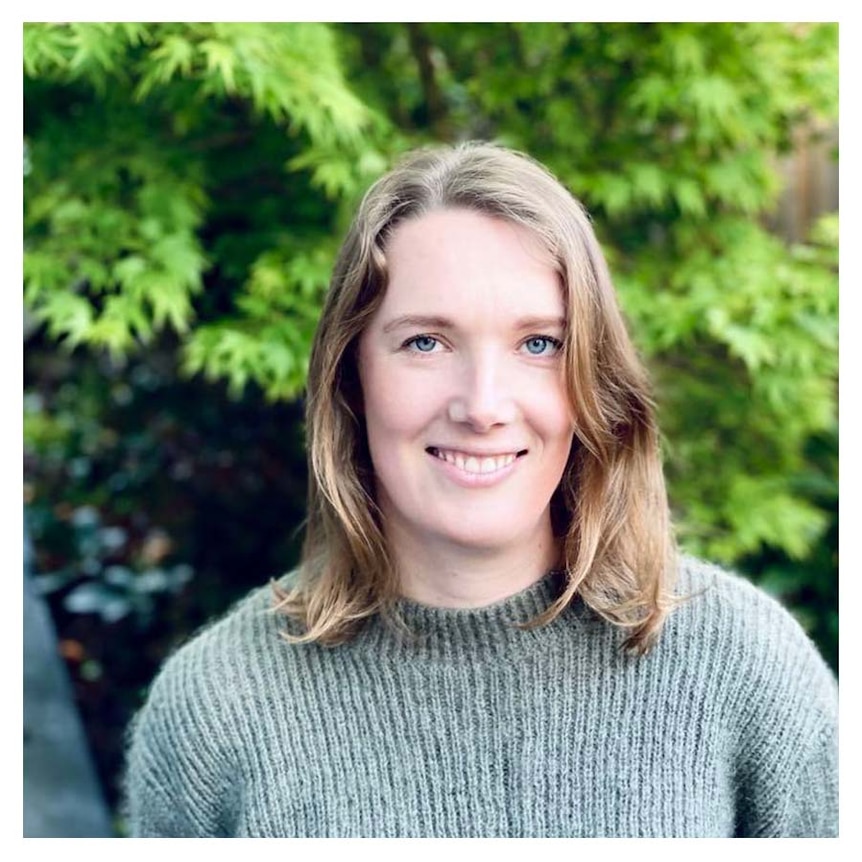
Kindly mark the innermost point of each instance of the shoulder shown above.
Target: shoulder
(737, 632)
(186, 743)
(217, 666)
(771, 694)
(725, 603)
(229, 640)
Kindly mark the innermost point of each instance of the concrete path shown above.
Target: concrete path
(62, 796)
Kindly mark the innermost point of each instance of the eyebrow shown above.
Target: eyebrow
(421, 321)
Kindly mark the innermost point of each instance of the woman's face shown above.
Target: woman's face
(469, 426)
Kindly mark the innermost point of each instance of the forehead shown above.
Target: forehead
(461, 257)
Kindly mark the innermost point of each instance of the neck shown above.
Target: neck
(450, 576)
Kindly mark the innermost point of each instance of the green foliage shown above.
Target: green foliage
(140, 139)
(744, 347)
(270, 342)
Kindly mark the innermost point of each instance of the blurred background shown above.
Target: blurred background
(186, 187)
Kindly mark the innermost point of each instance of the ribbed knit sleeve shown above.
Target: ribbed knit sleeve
(812, 806)
(785, 715)
(180, 777)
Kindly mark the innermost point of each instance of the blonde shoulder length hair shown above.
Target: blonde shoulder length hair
(610, 511)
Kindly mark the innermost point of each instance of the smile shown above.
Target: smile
(473, 463)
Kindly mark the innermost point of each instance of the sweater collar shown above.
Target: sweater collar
(492, 630)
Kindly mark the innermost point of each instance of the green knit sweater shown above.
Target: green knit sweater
(477, 728)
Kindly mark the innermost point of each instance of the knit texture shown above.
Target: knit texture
(478, 728)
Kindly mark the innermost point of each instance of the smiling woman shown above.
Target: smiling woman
(456, 263)
(490, 632)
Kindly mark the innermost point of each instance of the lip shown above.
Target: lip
(468, 479)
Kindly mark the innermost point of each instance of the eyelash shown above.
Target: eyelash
(411, 343)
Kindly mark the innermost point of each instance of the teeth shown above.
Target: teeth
(474, 464)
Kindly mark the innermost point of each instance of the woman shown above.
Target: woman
(490, 632)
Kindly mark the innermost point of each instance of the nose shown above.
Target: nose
(485, 396)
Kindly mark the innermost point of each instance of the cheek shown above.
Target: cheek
(554, 423)
(397, 404)
(552, 414)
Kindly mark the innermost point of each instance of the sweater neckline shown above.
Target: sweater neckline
(430, 632)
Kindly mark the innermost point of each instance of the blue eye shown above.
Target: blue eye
(422, 343)
(542, 345)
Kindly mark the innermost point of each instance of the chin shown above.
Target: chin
(487, 538)
(486, 544)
